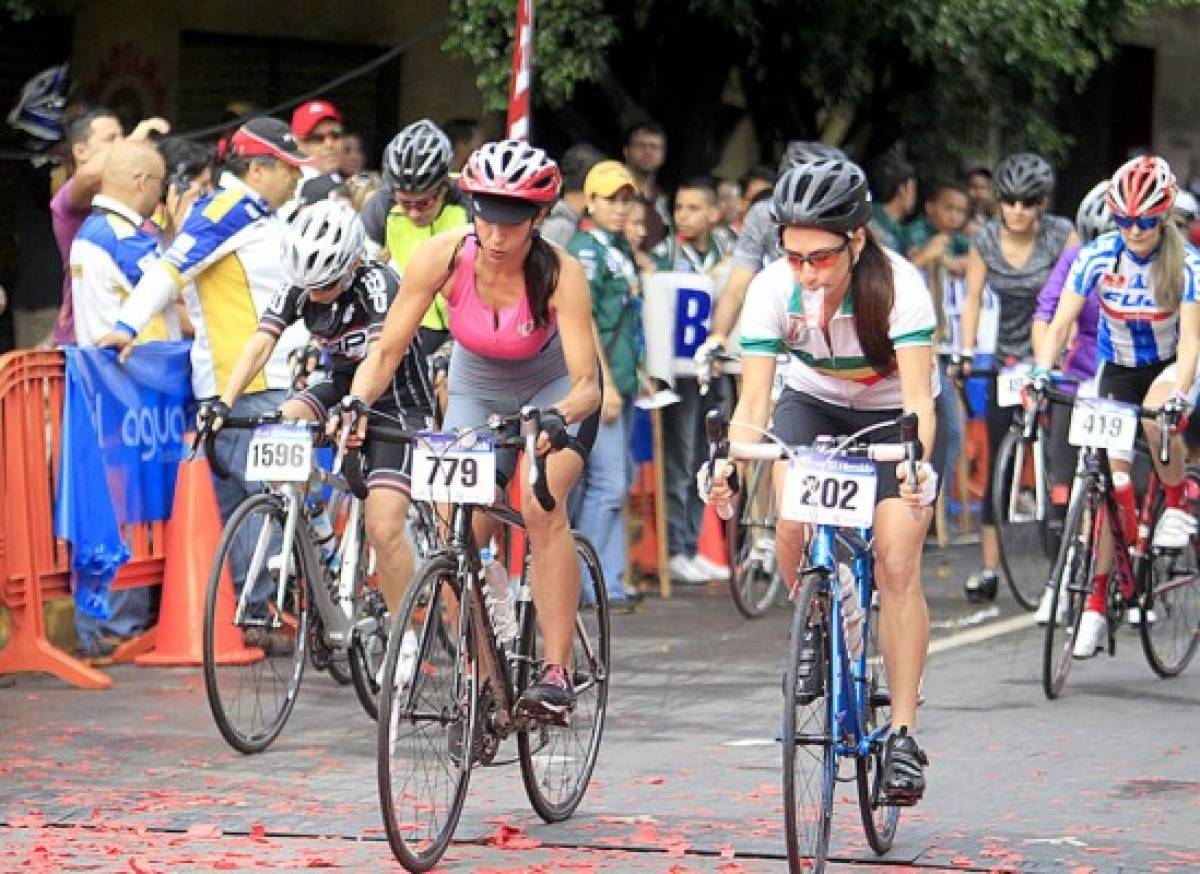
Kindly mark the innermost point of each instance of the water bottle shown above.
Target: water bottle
(323, 531)
(498, 593)
(852, 614)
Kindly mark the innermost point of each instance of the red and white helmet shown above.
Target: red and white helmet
(1142, 188)
(514, 169)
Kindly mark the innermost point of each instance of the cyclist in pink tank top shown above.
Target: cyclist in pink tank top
(520, 311)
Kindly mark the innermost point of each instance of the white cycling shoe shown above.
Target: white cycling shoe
(1093, 629)
(1175, 528)
(1043, 611)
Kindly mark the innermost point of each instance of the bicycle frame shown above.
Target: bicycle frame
(1033, 429)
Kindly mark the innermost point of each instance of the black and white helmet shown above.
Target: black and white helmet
(418, 159)
(1023, 176)
(1094, 217)
(800, 152)
(321, 244)
(830, 194)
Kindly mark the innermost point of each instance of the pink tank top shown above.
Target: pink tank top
(508, 334)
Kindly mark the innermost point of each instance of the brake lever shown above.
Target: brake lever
(531, 426)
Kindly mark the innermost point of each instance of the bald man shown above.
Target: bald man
(117, 241)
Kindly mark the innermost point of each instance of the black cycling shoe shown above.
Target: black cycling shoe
(982, 587)
(551, 699)
(903, 769)
(810, 671)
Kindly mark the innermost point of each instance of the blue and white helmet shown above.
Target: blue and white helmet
(39, 111)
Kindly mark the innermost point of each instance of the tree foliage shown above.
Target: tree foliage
(868, 74)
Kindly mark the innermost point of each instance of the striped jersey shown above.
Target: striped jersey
(1134, 331)
(226, 261)
(835, 370)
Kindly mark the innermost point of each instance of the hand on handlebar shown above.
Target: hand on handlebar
(1033, 391)
(1176, 409)
(719, 490)
(960, 366)
(553, 435)
(349, 418)
(926, 489)
(211, 415)
(303, 361)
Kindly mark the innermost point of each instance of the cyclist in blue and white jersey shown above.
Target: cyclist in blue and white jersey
(1148, 282)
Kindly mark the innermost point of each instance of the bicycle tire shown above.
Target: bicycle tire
(1071, 579)
(754, 581)
(1172, 591)
(879, 821)
(368, 651)
(440, 691)
(1022, 540)
(556, 795)
(807, 743)
(249, 729)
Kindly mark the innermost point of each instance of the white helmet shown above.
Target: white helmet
(1185, 207)
(321, 244)
(1094, 217)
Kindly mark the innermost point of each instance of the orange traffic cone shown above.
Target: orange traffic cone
(192, 534)
(712, 539)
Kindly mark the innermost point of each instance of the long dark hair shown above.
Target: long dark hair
(873, 291)
(541, 277)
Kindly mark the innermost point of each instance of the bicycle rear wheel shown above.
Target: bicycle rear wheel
(557, 762)
(1071, 580)
(251, 694)
(809, 762)
(1170, 626)
(428, 704)
(754, 581)
(1022, 536)
(879, 820)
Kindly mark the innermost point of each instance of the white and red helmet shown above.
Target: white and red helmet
(1142, 188)
(512, 169)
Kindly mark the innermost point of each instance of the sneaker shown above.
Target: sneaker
(1043, 611)
(810, 670)
(1134, 616)
(1175, 527)
(406, 663)
(982, 587)
(551, 699)
(710, 569)
(684, 571)
(1093, 629)
(904, 766)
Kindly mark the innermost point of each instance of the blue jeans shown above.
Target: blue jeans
(231, 448)
(129, 615)
(685, 448)
(597, 505)
(950, 426)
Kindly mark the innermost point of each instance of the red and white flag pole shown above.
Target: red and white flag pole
(522, 73)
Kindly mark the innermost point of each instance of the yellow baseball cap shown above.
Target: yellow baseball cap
(607, 178)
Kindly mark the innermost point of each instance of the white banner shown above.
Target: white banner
(676, 314)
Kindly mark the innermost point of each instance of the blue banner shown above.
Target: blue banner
(127, 420)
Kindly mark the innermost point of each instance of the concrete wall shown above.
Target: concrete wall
(1175, 36)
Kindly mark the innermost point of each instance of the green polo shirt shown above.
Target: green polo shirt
(607, 260)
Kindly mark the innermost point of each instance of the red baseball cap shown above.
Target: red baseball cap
(266, 137)
(308, 115)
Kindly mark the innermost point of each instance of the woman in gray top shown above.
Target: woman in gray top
(1013, 254)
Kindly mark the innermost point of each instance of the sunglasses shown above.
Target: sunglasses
(1027, 202)
(417, 205)
(822, 259)
(1146, 223)
(330, 136)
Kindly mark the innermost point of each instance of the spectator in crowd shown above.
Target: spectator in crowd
(189, 167)
(88, 138)
(729, 199)
(693, 249)
(894, 194)
(227, 263)
(354, 160)
(465, 137)
(635, 233)
(562, 222)
(107, 258)
(756, 184)
(321, 188)
(983, 198)
(317, 127)
(645, 151)
(598, 501)
(361, 188)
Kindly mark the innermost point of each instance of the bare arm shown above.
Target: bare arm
(1189, 346)
(255, 355)
(729, 303)
(973, 302)
(84, 184)
(754, 399)
(915, 366)
(1055, 335)
(572, 305)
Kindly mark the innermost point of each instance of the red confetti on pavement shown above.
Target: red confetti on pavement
(204, 830)
(511, 837)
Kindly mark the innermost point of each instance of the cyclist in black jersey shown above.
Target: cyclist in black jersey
(342, 300)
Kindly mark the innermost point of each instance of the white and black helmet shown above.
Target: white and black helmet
(800, 152)
(1094, 217)
(1023, 176)
(321, 244)
(830, 194)
(418, 159)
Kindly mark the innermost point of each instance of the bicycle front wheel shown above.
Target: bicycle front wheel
(253, 666)
(754, 581)
(557, 761)
(1170, 626)
(809, 761)
(879, 819)
(1021, 533)
(1071, 580)
(428, 713)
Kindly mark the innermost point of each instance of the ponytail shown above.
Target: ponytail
(874, 292)
(1167, 270)
(541, 278)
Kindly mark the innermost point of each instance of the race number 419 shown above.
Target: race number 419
(823, 490)
(1103, 424)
